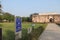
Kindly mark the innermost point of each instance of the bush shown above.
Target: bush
(25, 35)
(36, 33)
(33, 35)
(10, 35)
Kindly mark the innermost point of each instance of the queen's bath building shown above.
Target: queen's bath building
(46, 17)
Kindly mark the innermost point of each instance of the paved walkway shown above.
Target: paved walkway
(52, 32)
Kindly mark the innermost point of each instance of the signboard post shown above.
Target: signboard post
(18, 28)
(18, 24)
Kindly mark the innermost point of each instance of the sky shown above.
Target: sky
(28, 7)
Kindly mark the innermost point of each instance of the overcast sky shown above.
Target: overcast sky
(27, 7)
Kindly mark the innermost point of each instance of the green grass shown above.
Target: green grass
(38, 29)
(27, 25)
(9, 29)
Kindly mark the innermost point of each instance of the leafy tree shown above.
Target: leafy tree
(26, 19)
(8, 17)
(1, 17)
(23, 19)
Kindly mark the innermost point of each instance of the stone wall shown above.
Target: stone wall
(57, 18)
(45, 18)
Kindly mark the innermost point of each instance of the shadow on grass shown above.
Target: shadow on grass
(0, 25)
(10, 35)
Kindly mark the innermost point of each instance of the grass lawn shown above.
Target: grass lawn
(9, 29)
(38, 29)
(27, 25)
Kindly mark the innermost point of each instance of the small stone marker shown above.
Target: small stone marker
(33, 26)
(29, 30)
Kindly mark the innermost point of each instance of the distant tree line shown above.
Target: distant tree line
(6, 17)
(26, 19)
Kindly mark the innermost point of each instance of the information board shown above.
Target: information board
(18, 24)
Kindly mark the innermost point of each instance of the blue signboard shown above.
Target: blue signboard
(18, 24)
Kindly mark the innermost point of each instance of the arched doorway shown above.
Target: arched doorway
(51, 20)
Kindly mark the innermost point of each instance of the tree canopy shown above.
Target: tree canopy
(6, 16)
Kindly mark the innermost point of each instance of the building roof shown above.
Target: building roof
(49, 13)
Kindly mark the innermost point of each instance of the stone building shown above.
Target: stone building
(46, 17)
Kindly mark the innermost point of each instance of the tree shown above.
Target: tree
(26, 19)
(8, 16)
(1, 17)
(30, 18)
